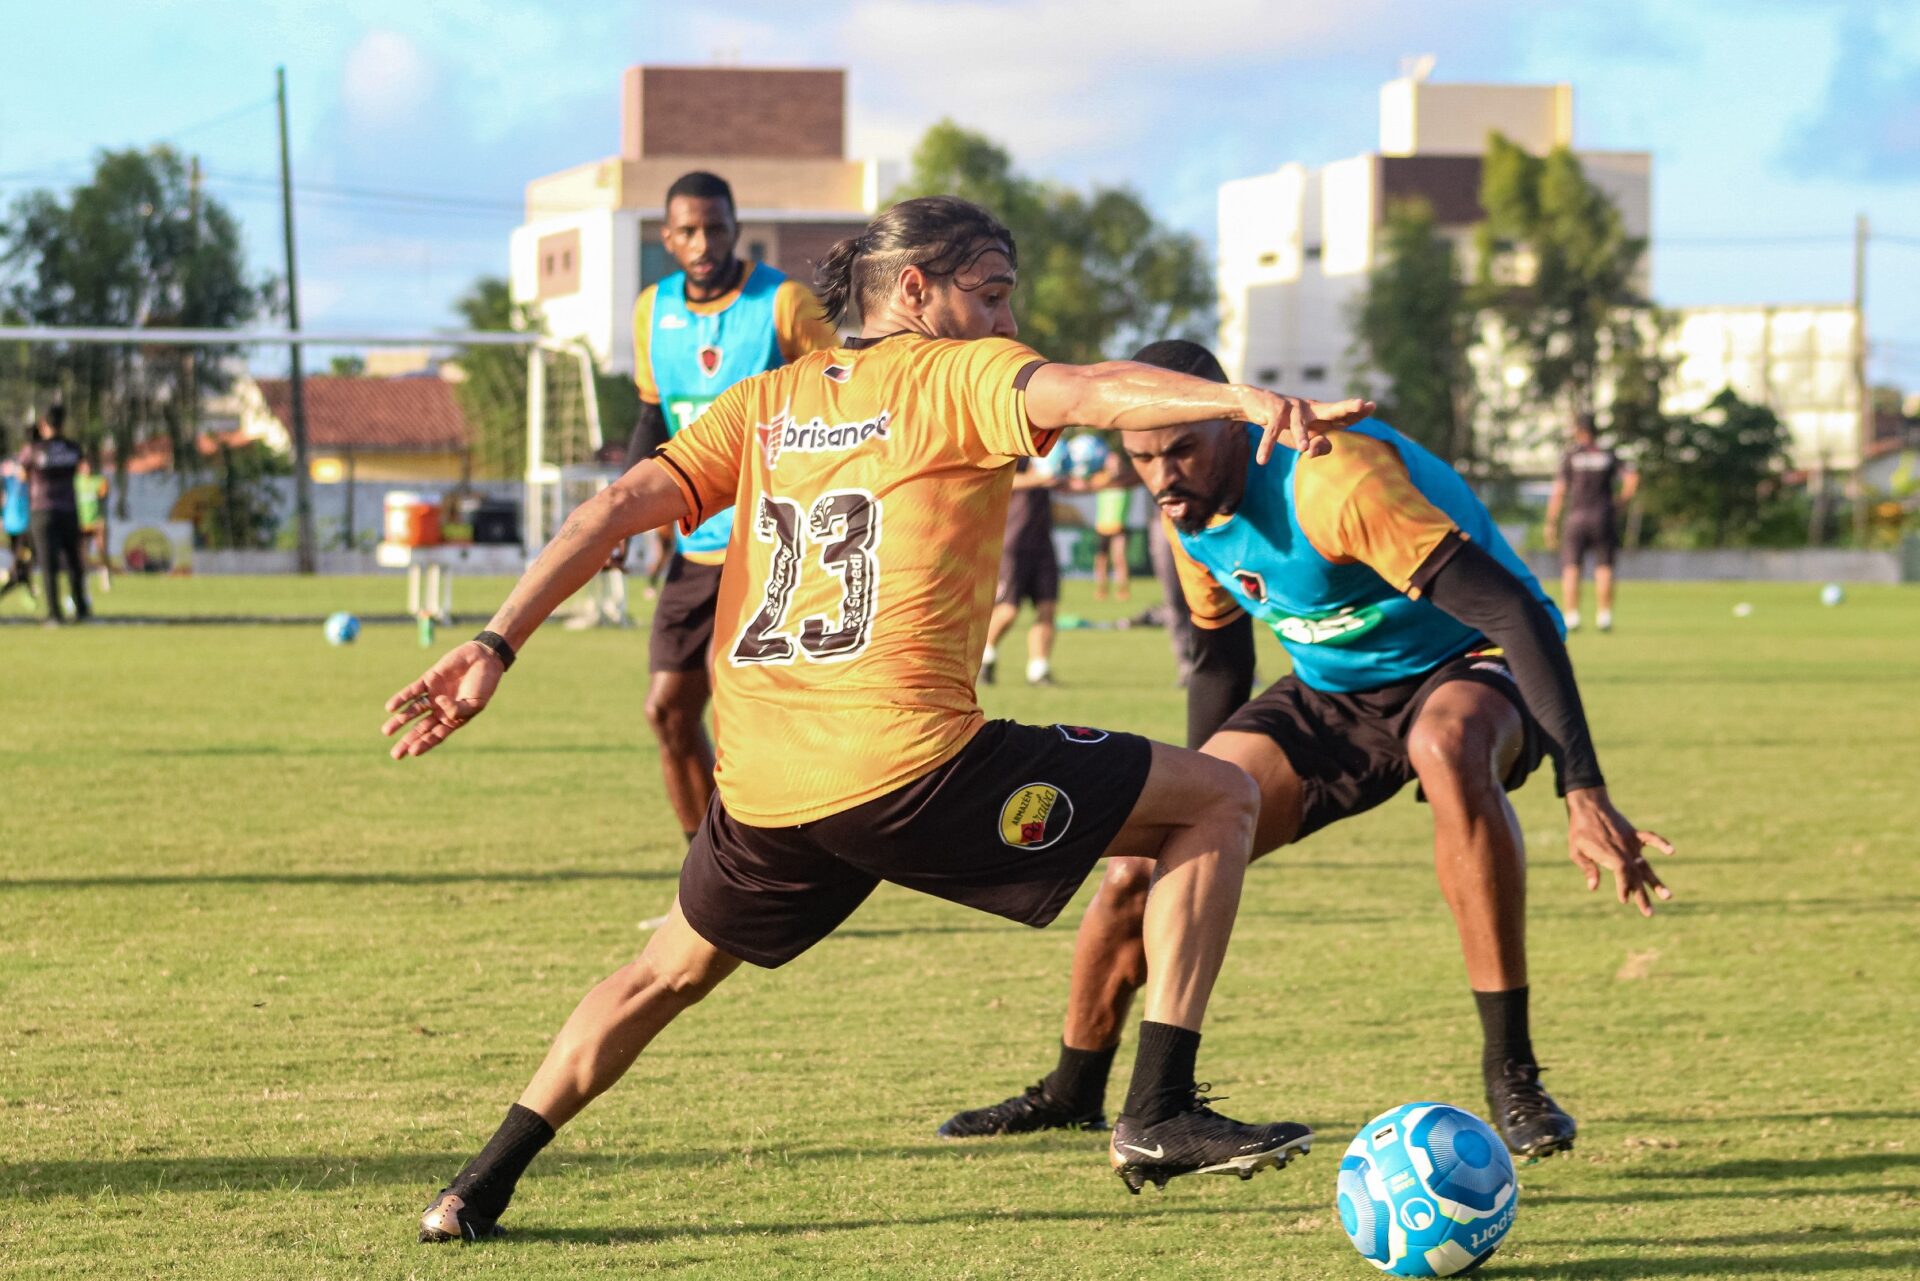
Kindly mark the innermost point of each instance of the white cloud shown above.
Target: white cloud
(385, 79)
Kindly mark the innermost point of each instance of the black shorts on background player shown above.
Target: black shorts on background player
(1011, 825)
(683, 617)
(1589, 534)
(1350, 750)
(1028, 574)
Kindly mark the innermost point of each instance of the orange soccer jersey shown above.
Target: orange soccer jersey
(871, 482)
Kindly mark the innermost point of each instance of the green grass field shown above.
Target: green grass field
(262, 990)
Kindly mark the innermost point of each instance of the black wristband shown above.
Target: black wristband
(498, 644)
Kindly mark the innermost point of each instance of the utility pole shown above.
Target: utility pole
(302, 491)
(1860, 388)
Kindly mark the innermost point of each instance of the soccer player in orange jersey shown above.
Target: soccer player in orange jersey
(872, 485)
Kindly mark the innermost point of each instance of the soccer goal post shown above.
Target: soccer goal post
(137, 391)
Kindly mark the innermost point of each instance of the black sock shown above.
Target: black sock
(1162, 1072)
(1079, 1081)
(1503, 1022)
(487, 1183)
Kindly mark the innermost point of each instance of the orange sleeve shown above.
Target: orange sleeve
(1211, 605)
(1359, 504)
(980, 387)
(705, 457)
(642, 343)
(801, 321)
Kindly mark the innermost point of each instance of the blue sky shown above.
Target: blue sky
(1770, 120)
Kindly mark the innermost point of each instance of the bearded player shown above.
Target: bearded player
(1422, 648)
(695, 334)
(874, 478)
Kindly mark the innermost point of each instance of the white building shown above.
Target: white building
(591, 240)
(1296, 245)
(1796, 359)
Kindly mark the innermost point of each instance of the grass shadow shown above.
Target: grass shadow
(143, 1175)
(629, 1234)
(1803, 1168)
(1614, 1267)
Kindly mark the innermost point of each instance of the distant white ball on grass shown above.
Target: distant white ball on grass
(341, 628)
(1426, 1190)
(1832, 594)
(1742, 609)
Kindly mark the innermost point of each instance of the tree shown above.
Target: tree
(1707, 478)
(493, 395)
(349, 366)
(139, 244)
(1555, 270)
(1412, 329)
(1098, 276)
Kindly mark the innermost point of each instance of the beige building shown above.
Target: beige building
(591, 240)
(1296, 245)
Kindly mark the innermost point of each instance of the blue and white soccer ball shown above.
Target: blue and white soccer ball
(341, 628)
(1832, 594)
(1427, 1190)
(1086, 454)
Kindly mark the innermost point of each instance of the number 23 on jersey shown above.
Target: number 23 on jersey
(843, 526)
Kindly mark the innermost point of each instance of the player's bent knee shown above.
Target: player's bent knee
(1453, 754)
(1126, 883)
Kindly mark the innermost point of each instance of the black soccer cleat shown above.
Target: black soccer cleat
(986, 672)
(1024, 1113)
(1526, 1115)
(450, 1219)
(1201, 1141)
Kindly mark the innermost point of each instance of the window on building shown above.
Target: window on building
(655, 262)
(1270, 259)
(566, 260)
(1268, 376)
(757, 250)
(546, 267)
(1313, 253)
(1314, 374)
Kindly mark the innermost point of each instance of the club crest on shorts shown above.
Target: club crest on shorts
(1082, 733)
(1035, 816)
(710, 356)
(838, 373)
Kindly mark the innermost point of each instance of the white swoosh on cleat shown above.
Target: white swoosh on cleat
(1153, 1153)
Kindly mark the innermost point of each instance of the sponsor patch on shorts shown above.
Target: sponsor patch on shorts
(1035, 816)
(1082, 734)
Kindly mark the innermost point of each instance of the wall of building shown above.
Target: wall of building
(1795, 359)
(1419, 117)
(787, 113)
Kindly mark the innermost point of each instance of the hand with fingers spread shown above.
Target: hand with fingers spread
(1297, 423)
(453, 692)
(1598, 835)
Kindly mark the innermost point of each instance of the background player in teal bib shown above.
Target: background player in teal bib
(1423, 648)
(695, 334)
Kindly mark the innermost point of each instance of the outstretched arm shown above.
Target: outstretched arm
(456, 689)
(1126, 395)
(1468, 583)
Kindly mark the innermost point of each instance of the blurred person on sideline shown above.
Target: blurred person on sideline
(1112, 487)
(1594, 485)
(50, 462)
(1029, 571)
(13, 516)
(90, 490)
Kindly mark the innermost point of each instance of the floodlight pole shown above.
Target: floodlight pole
(302, 495)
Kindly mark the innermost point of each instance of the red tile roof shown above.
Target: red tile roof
(374, 413)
